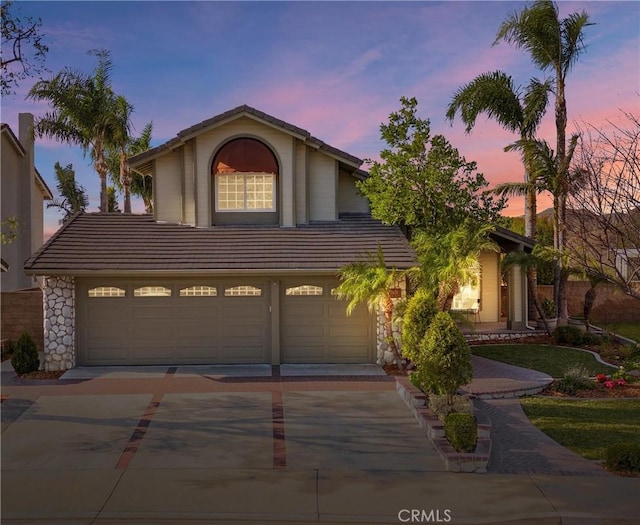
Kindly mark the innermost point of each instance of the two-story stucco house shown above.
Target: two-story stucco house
(253, 219)
(23, 193)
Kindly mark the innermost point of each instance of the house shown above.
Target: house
(23, 192)
(252, 219)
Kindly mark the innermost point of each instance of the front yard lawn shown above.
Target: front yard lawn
(551, 360)
(587, 427)
(628, 330)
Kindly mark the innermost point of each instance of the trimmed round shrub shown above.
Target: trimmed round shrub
(444, 363)
(461, 431)
(25, 355)
(623, 457)
(571, 335)
(421, 309)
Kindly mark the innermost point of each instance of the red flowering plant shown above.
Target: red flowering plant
(601, 378)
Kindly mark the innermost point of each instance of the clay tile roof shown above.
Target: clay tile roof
(119, 243)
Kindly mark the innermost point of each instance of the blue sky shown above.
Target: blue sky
(336, 69)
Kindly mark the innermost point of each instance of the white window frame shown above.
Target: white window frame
(304, 290)
(243, 291)
(100, 292)
(151, 291)
(199, 291)
(245, 176)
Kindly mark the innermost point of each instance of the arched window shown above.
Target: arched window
(245, 175)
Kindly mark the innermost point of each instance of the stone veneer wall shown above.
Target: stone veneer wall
(59, 323)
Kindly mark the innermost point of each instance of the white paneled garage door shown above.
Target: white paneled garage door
(314, 327)
(172, 321)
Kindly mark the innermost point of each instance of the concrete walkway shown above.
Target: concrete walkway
(310, 445)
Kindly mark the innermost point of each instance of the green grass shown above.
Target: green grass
(628, 330)
(587, 427)
(551, 360)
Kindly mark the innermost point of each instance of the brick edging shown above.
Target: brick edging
(454, 461)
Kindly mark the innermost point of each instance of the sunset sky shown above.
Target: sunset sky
(336, 69)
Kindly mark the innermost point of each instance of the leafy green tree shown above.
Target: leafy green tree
(553, 44)
(23, 48)
(120, 172)
(444, 364)
(516, 110)
(83, 112)
(423, 182)
(73, 197)
(370, 282)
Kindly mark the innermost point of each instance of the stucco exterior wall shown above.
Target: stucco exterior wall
(207, 144)
(323, 182)
(349, 198)
(490, 287)
(168, 188)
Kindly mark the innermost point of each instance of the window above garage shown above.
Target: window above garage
(245, 183)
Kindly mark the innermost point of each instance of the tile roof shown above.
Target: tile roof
(119, 243)
(185, 134)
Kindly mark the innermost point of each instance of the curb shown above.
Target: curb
(470, 462)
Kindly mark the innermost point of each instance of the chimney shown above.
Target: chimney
(26, 180)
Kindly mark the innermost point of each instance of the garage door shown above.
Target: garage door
(164, 321)
(315, 327)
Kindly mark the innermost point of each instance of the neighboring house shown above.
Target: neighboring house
(23, 192)
(253, 218)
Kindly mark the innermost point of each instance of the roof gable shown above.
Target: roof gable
(183, 136)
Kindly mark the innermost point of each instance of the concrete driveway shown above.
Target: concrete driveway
(178, 445)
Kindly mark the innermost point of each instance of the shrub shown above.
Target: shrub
(549, 308)
(575, 379)
(442, 407)
(591, 339)
(420, 311)
(623, 457)
(444, 362)
(25, 355)
(461, 431)
(571, 335)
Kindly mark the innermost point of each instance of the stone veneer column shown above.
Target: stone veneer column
(59, 323)
(384, 354)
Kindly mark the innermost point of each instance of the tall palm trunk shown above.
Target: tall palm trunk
(125, 179)
(563, 191)
(530, 226)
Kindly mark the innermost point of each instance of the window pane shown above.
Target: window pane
(259, 192)
(230, 192)
(305, 289)
(242, 291)
(106, 291)
(198, 291)
(152, 291)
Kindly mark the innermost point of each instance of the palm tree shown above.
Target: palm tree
(450, 260)
(120, 172)
(74, 197)
(370, 282)
(553, 44)
(495, 95)
(83, 112)
(120, 141)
